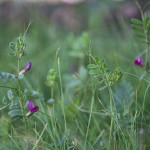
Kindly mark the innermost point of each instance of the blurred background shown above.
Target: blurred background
(60, 23)
(66, 25)
(63, 24)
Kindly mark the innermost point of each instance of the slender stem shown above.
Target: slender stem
(52, 92)
(11, 137)
(47, 115)
(21, 99)
(112, 121)
(8, 87)
(111, 103)
(89, 121)
(92, 102)
(138, 76)
(62, 96)
(147, 56)
(30, 22)
(110, 132)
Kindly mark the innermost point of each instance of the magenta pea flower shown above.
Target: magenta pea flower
(139, 61)
(32, 109)
(27, 68)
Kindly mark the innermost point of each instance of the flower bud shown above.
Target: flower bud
(27, 68)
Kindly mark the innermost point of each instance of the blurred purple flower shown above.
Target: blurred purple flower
(139, 61)
(32, 108)
(27, 68)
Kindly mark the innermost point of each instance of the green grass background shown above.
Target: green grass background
(43, 39)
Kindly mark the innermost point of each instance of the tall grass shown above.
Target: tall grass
(83, 108)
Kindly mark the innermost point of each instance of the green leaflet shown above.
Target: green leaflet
(141, 30)
(6, 76)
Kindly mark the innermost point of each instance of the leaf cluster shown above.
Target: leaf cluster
(141, 30)
(5, 76)
(15, 111)
(51, 78)
(100, 68)
(18, 48)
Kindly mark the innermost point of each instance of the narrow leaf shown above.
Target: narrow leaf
(137, 27)
(13, 113)
(9, 94)
(138, 32)
(94, 72)
(136, 36)
(91, 66)
(136, 21)
(17, 117)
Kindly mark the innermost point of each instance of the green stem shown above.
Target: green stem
(8, 87)
(146, 60)
(48, 115)
(89, 121)
(62, 96)
(137, 76)
(111, 130)
(63, 104)
(52, 92)
(92, 102)
(21, 99)
(111, 103)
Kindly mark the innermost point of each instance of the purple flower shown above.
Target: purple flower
(27, 68)
(32, 108)
(139, 61)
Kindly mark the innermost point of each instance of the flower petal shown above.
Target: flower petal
(35, 109)
(28, 66)
(139, 61)
(30, 105)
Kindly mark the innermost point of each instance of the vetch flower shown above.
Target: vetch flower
(32, 109)
(139, 61)
(27, 68)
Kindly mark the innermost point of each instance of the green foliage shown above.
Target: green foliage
(51, 77)
(100, 69)
(18, 49)
(115, 75)
(123, 97)
(110, 116)
(15, 111)
(141, 30)
(5, 76)
(79, 44)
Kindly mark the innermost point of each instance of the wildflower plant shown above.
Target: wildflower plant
(141, 34)
(19, 51)
(17, 96)
(100, 69)
(99, 110)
